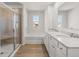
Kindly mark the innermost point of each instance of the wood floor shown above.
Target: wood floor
(32, 50)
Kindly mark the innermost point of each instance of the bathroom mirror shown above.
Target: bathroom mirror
(68, 16)
(62, 19)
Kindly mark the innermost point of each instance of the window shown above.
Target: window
(60, 20)
(35, 20)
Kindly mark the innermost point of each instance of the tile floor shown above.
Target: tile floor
(32, 50)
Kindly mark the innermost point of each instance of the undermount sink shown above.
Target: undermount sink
(63, 36)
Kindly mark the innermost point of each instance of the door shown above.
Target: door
(6, 32)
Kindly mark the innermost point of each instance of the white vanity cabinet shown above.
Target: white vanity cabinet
(52, 46)
(73, 52)
(61, 47)
(61, 51)
(52, 51)
(46, 42)
(56, 48)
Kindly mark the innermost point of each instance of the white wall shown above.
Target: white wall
(64, 17)
(33, 40)
(50, 18)
(24, 24)
(73, 18)
(46, 20)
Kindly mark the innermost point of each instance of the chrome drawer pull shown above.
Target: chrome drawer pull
(61, 48)
(53, 46)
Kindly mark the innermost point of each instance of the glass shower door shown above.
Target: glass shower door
(6, 32)
(9, 31)
(16, 30)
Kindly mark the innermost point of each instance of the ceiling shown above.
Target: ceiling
(32, 5)
(37, 5)
(68, 6)
(43, 5)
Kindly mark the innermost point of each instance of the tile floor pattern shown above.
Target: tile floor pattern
(32, 50)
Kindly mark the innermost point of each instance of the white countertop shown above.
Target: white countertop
(66, 40)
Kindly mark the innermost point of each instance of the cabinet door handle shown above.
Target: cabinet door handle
(61, 48)
(53, 46)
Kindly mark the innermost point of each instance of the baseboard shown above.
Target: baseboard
(33, 40)
(12, 55)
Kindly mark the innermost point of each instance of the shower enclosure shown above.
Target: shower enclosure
(9, 31)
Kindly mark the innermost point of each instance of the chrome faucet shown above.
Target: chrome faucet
(74, 35)
(71, 35)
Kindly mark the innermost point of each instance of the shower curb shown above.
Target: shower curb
(13, 54)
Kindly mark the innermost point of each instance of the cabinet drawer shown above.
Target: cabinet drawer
(54, 42)
(62, 49)
(59, 54)
(52, 51)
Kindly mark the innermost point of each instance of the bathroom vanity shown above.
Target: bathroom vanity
(61, 45)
